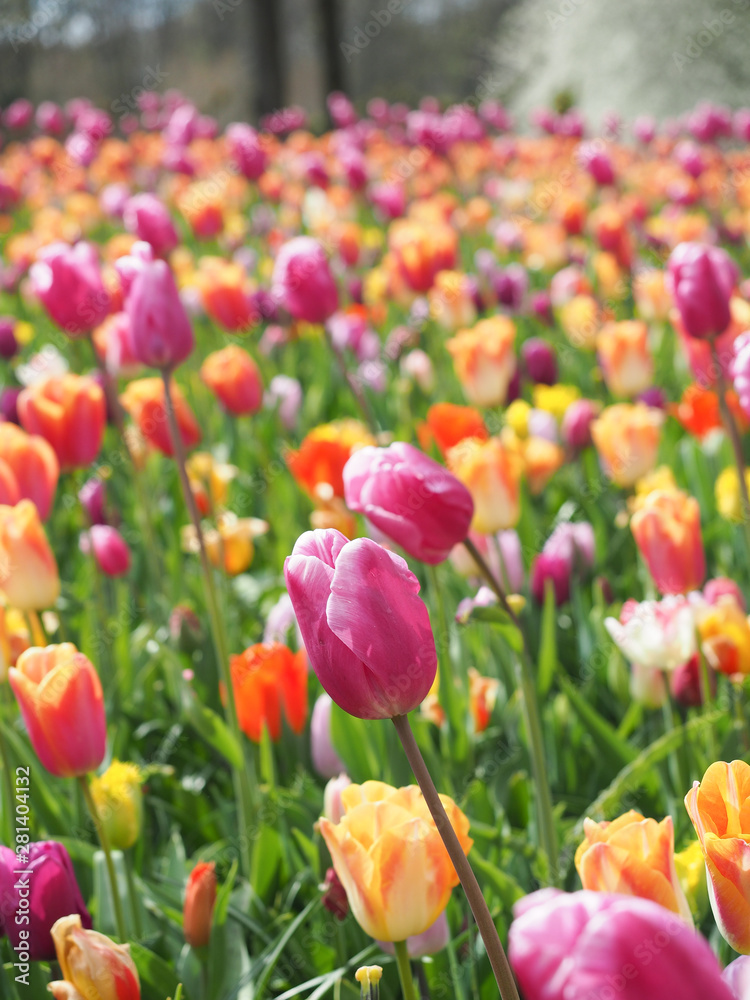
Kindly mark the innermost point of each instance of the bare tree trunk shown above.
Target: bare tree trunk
(333, 75)
(269, 57)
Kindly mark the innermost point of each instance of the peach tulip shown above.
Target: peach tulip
(70, 412)
(28, 572)
(492, 474)
(667, 530)
(484, 360)
(627, 436)
(93, 966)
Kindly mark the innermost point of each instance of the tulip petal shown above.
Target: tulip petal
(728, 868)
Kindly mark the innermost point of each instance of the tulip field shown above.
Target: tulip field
(374, 554)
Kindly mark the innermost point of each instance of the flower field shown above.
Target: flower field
(374, 555)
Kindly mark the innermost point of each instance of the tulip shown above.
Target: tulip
(324, 453)
(587, 945)
(333, 806)
(32, 469)
(658, 635)
(8, 342)
(594, 158)
(484, 360)
(9, 403)
(737, 977)
(160, 331)
(451, 300)
(119, 802)
(110, 549)
(701, 280)
(483, 693)
(325, 760)
(724, 632)
(60, 697)
(227, 294)
(233, 377)
(285, 393)
(28, 572)
(686, 683)
(143, 399)
(556, 568)
(68, 282)
(92, 496)
(627, 438)
(148, 217)
(420, 250)
(389, 856)
(633, 856)
(37, 887)
(429, 942)
(448, 423)
(417, 365)
(70, 412)
(721, 587)
(200, 900)
(334, 898)
(245, 150)
(269, 678)
(492, 474)
(410, 498)
(302, 280)
(372, 670)
(717, 806)
(625, 357)
(666, 528)
(577, 421)
(539, 361)
(93, 966)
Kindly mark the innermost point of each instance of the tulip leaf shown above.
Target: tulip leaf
(493, 614)
(214, 731)
(360, 744)
(267, 855)
(508, 890)
(547, 641)
(229, 968)
(224, 894)
(158, 979)
(603, 734)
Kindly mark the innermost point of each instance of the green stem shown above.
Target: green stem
(243, 790)
(359, 397)
(734, 436)
(134, 907)
(404, 970)
(705, 682)
(447, 691)
(8, 787)
(83, 781)
(485, 923)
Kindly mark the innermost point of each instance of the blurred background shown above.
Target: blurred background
(242, 58)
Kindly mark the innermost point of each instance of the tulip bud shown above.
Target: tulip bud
(92, 965)
(555, 567)
(234, 378)
(701, 279)
(9, 403)
(148, 217)
(160, 330)
(594, 159)
(200, 899)
(8, 342)
(68, 282)
(539, 361)
(92, 496)
(576, 424)
(70, 412)
(325, 759)
(334, 897)
(32, 466)
(245, 150)
(110, 549)
(119, 802)
(302, 280)
(333, 807)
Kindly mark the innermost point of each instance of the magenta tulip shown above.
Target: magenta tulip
(366, 631)
(160, 331)
(110, 550)
(701, 279)
(410, 497)
(68, 282)
(586, 945)
(302, 280)
(148, 218)
(245, 150)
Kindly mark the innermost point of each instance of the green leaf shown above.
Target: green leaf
(158, 980)
(214, 731)
(267, 855)
(604, 735)
(548, 640)
(281, 944)
(224, 894)
(360, 744)
(506, 887)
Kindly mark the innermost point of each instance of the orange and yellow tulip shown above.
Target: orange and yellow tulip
(625, 358)
(93, 966)
(143, 399)
(492, 474)
(200, 900)
(70, 412)
(28, 572)
(484, 360)
(233, 377)
(627, 437)
(724, 631)
(30, 468)
(324, 452)
(667, 530)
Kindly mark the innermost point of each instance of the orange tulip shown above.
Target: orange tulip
(482, 697)
(324, 452)
(200, 900)
(484, 360)
(143, 399)
(448, 423)
(389, 856)
(492, 474)
(226, 294)
(627, 436)
(14, 639)
(28, 571)
(30, 469)
(719, 807)
(698, 411)
(625, 358)
(70, 412)
(61, 701)
(268, 678)
(667, 530)
(233, 377)
(93, 966)
(420, 250)
(724, 631)
(632, 856)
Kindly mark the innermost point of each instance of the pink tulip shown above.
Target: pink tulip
(148, 217)
(410, 497)
(595, 160)
(586, 945)
(366, 631)
(160, 331)
(50, 118)
(333, 807)
(18, 115)
(302, 280)
(701, 279)
(110, 550)
(130, 266)
(737, 977)
(576, 424)
(68, 281)
(245, 150)
(325, 759)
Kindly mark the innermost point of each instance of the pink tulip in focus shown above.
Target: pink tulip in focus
(410, 497)
(302, 280)
(366, 631)
(585, 945)
(148, 217)
(160, 331)
(701, 280)
(68, 282)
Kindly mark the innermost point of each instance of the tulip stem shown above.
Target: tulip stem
(734, 436)
(477, 902)
(37, 632)
(242, 788)
(8, 810)
(356, 389)
(404, 970)
(122, 932)
(545, 814)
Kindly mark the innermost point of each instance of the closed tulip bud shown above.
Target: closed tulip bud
(119, 802)
(539, 361)
(325, 759)
(302, 280)
(148, 218)
(200, 900)
(598, 944)
(160, 331)
(686, 683)
(9, 403)
(93, 966)
(92, 496)
(61, 701)
(28, 572)
(333, 807)
(720, 587)
(143, 399)
(69, 411)
(576, 424)
(110, 550)
(234, 378)
(667, 531)
(42, 873)
(555, 567)
(371, 671)
(595, 160)
(410, 497)
(68, 282)
(8, 342)
(245, 150)
(701, 280)
(33, 466)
